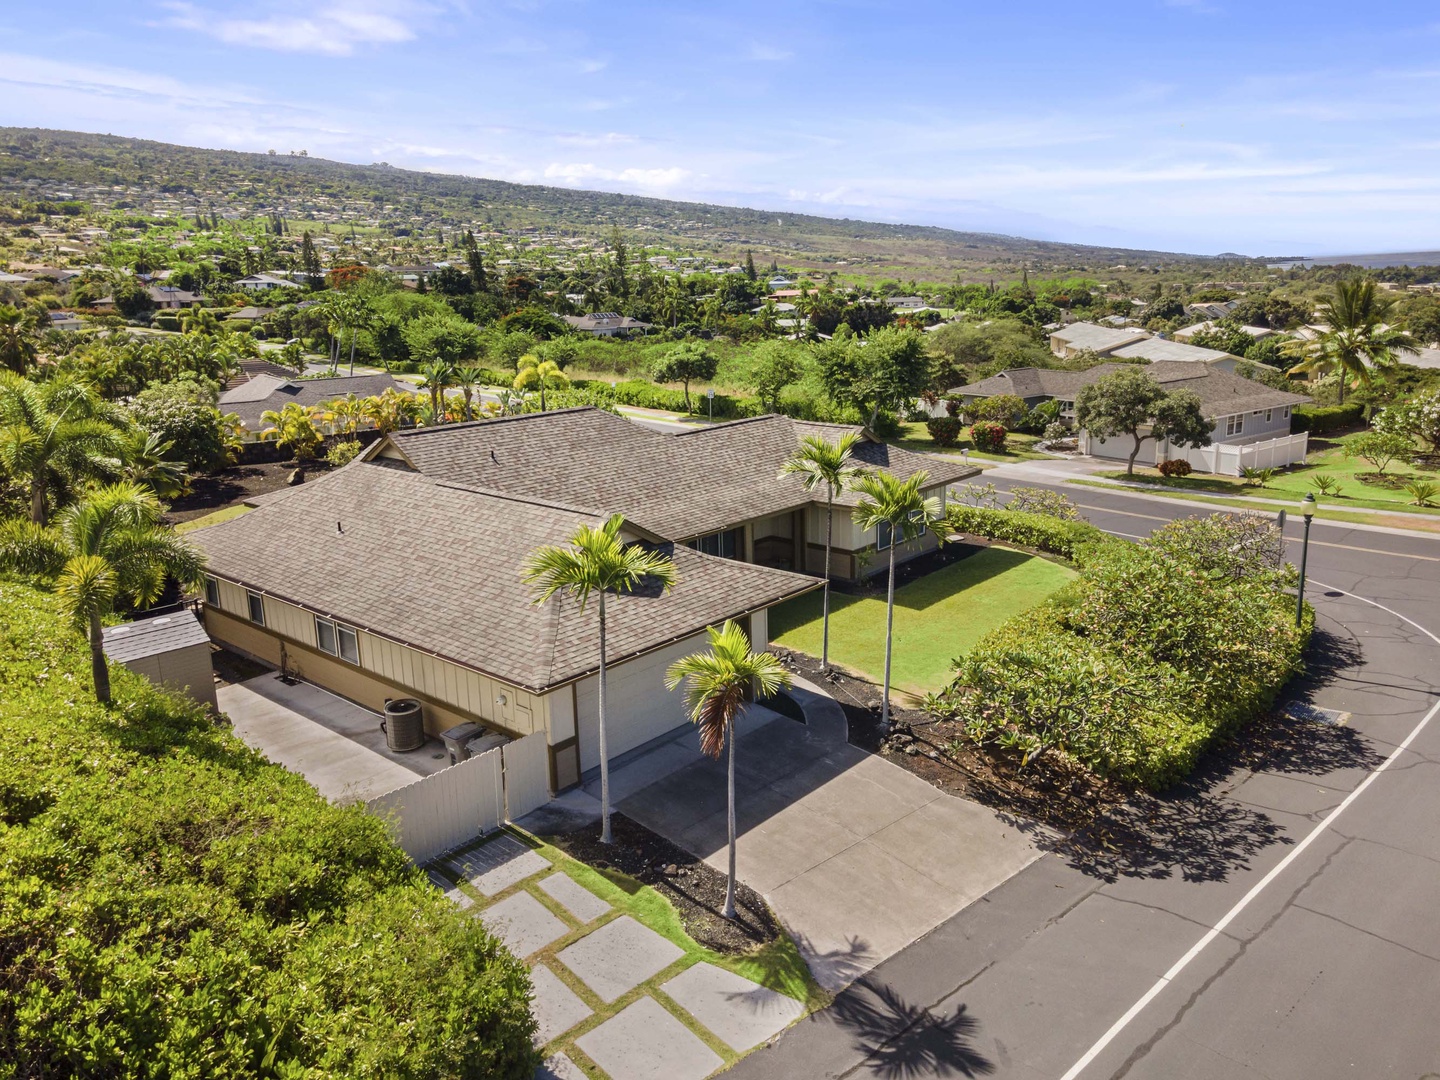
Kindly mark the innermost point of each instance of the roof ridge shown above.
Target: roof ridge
(434, 429)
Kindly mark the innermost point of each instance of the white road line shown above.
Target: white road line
(1279, 868)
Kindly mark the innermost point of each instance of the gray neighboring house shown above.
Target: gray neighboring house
(1079, 337)
(606, 324)
(263, 392)
(1251, 421)
(259, 282)
(716, 489)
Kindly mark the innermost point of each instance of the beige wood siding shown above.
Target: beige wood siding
(232, 598)
(289, 621)
(637, 706)
(760, 628)
(186, 670)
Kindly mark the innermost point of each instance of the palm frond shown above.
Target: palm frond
(717, 681)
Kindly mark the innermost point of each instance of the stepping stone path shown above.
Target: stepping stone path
(619, 956)
(644, 1040)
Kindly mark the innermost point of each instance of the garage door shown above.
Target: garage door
(638, 707)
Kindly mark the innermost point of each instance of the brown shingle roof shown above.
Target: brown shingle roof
(437, 566)
(675, 485)
(249, 400)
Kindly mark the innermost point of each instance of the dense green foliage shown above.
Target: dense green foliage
(988, 436)
(182, 413)
(1322, 419)
(1151, 654)
(171, 905)
(1042, 532)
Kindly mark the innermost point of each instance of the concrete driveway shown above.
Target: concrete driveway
(856, 855)
(334, 744)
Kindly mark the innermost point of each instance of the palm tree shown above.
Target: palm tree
(106, 548)
(438, 377)
(294, 428)
(349, 413)
(898, 508)
(467, 378)
(597, 561)
(717, 684)
(1358, 339)
(542, 374)
(144, 462)
(18, 343)
(819, 461)
(390, 409)
(54, 433)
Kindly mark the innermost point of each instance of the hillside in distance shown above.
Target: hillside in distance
(36, 162)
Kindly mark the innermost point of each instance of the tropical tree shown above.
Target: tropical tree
(19, 344)
(717, 683)
(819, 462)
(391, 409)
(688, 361)
(145, 460)
(110, 547)
(348, 412)
(898, 513)
(597, 562)
(1132, 402)
(1358, 338)
(439, 376)
(541, 375)
(53, 434)
(467, 378)
(294, 428)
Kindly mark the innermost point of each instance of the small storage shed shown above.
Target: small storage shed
(170, 650)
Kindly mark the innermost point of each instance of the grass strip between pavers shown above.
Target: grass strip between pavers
(777, 966)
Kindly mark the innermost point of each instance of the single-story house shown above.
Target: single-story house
(258, 282)
(264, 392)
(1251, 421)
(379, 582)
(717, 488)
(1189, 332)
(1213, 309)
(1080, 337)
(250, 314)
(1158, 350)
(163, 297)
(606, 324)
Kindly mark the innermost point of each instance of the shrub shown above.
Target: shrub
(1055, 431)
(1008, 410)
(1417, 416)
(1042, 532)
(175, 905)
(1034, 500)
(1326, 484)
(1256, 477)
(1422, 492)
(1135, 667)
(952, 406)
(944, 430)
(183, 414)
(1322, 419)
(1175, 467)
(342, 453)
(988, 436)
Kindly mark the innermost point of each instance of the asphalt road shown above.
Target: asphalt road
(1281, 921)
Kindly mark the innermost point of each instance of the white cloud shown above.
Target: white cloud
(333, 30)
(576, 174)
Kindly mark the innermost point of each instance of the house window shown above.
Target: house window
(1269, 416)
(1235, 425)
(257, 607)
(337, 639)
(212, 591)
(725, 544)
(1285, 414)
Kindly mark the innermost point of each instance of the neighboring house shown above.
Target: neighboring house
(1251, 422)
(377, 582)
(1157, 350)
(1205, 327)
(606, 324)
(1218, 309)
(258, 282)
(164, 297)
(264, 392)
(906, 302)
(249, 314)
(1080, 337)
(715, 488)
(65, 320)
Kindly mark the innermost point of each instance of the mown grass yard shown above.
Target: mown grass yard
(915, 436)
(937, 617)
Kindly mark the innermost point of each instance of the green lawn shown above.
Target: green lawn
(915, 436)
(937, 617)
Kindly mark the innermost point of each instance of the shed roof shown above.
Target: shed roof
(153, 637)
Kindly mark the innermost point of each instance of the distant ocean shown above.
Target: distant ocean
(1372, 262)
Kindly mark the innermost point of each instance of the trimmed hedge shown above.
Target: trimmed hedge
(172, 905)
(1137, 666)
(1319, 419)
(1039, 531)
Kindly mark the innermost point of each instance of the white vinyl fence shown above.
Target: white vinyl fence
(453, 806)
(1229, 459)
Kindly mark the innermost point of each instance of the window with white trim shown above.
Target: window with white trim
(212, 591)
(1235, 425)
(337, 639)
(257, 607)
(1269, 416)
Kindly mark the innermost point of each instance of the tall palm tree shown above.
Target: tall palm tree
(597, 562)
(819, 461)
(391, 409)
(108, 547)
(439, 376)
(348, 412)
(1358, 339)
(896, 507)
(54, 433)
(467, 378)
(539, 374)
(18, 342)
(716, 686)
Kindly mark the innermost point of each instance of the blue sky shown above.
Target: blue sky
(1198, 125)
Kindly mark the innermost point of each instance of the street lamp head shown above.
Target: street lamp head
(1307, 505)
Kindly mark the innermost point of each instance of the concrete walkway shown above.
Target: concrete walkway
(856, 855)
(337, 746)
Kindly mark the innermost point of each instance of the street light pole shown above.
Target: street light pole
(1307, 507)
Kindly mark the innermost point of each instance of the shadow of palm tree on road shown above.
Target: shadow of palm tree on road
(901, 1039)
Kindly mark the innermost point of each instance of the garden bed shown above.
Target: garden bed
(215, 491)
(693, 887)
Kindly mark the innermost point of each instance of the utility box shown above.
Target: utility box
(169, 650)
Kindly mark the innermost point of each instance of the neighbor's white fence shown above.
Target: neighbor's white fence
(446, 809)
(1229, 459)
